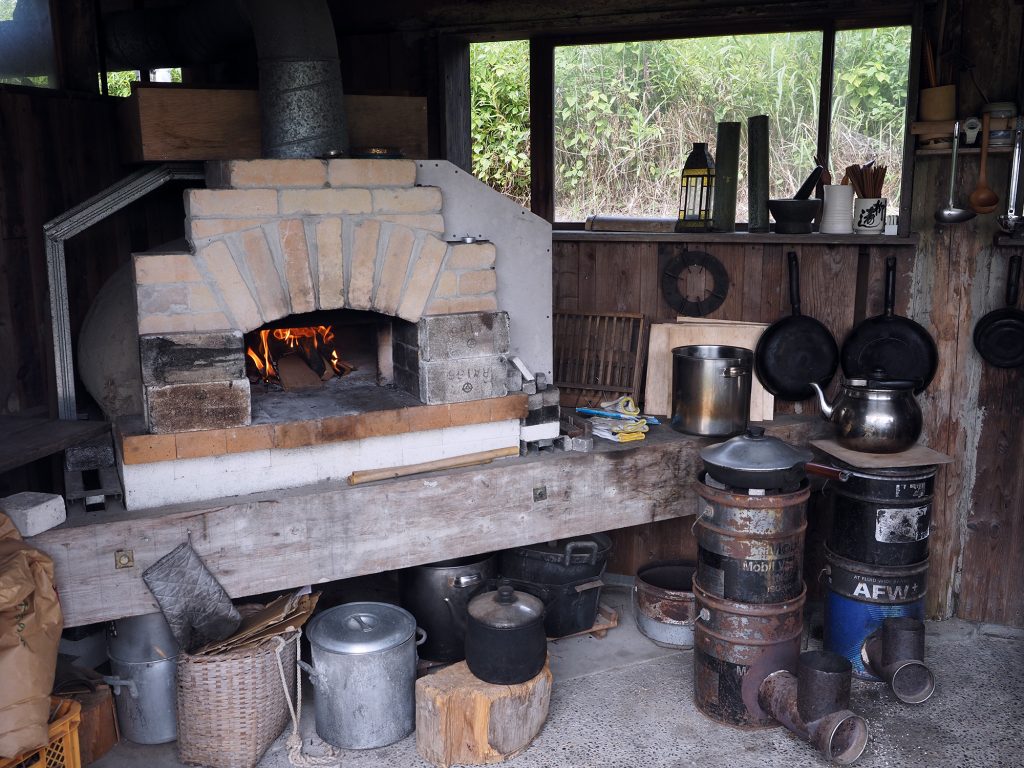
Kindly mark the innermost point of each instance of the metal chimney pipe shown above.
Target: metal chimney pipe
(302, 111)
(895, 652)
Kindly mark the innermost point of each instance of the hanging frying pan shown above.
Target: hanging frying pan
(897, 345)
(796, 350)
(999, 335)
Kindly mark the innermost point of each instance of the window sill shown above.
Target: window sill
(739, 238)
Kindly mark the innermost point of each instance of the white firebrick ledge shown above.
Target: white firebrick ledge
(163, 483)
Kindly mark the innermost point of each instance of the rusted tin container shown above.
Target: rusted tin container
(663, 602)
(751, 547)
(736, 646)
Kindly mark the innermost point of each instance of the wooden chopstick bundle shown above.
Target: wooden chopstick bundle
(867, 180)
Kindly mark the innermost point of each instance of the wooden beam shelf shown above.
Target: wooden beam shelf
(285, 539)
(736, 238)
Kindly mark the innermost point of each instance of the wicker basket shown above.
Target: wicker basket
(61, 751)
(232, 706)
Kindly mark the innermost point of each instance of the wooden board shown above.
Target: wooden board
(25, 440)
(285, 539)
(916, 456)
(666, 336)
(178, 123)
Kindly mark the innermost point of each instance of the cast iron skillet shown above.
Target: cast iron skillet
(999, 335)
(897, 345)
(796, 350)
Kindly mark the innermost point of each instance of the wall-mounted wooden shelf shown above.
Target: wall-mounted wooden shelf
(737, 238)
(1000, 150)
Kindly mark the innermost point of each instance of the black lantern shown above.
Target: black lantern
(696, 188)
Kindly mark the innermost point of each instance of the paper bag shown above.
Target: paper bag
(30, 627)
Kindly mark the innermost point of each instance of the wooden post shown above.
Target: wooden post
(461, 719)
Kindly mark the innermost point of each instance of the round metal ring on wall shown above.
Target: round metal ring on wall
(676, 270)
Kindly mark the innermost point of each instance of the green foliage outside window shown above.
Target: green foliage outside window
(626, 114)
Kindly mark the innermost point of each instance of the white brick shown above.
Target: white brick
(33, 513)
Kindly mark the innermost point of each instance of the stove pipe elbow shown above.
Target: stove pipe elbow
(814, 705)
(895, 652)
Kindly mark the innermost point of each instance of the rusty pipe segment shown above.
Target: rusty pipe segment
(895, 653)
(814, 703)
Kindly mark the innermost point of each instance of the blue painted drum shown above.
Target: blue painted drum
(860, 596)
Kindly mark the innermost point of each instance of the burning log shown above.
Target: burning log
(311, 355)
(294, 373)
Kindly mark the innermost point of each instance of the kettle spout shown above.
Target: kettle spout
(826, 408)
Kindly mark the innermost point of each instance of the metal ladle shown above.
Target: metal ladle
(950, 214)
(1010, 221)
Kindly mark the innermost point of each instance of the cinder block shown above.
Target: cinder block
(583, 444)
(97, 453)
(457, 381)
(192, 407)
(32, 513)
(550, 396)
(472, 334)
(191, 358)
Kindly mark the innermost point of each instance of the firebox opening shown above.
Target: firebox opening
(324, 363)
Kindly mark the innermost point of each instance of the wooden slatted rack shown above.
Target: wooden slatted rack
(599, 355)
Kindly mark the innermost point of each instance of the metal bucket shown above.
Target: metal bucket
(143, 659)
(663, 603)
(437, 595)
(364, 673)
(751, 548)
(882, 517)
(860, 596)
(711, 389)
(736, 646)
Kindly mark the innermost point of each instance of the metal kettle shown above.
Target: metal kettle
(874, 415)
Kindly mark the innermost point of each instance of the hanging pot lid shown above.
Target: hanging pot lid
(506, 608)
(754, 451)
(361, 628)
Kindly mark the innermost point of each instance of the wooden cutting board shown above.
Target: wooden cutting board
(686, 331)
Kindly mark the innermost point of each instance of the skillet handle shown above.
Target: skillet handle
(1013, 281)
(890, 286)
(794, 283)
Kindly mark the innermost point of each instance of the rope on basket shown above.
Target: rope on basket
(295, 755)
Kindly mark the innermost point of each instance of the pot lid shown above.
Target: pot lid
(506, 608)
(755, 451)
(361, 628)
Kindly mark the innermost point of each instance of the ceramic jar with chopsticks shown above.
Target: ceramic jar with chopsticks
(870, 207)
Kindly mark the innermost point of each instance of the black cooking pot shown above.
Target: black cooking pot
(505, 642)
(557, 562)
(757, 460)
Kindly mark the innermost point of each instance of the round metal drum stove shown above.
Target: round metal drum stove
(749, 586)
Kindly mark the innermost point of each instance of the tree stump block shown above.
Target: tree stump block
(461, 719)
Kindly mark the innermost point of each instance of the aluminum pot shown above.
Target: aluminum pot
(364, 674)
(505, 642)
(663, 602)
(437, 595)
(711, 389)
(875, 415)
(143, 660)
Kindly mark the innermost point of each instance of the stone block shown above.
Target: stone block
(193, 407)
(228, 203)
(201, 299)
(414, 200)
(241, 174)
(447, 285)
(393, 271)
(472, 256)
(296, 265)
(199, 229)
(482, 303)
(232, 287)
(33, 513)
(457, 381)
(477, 282)
(424, 273)
(166, 268)
(330, 264)
(97, 453)
(252, 248)
(364, 263)
(191, 323)
(191, 358)
(325, 201)
(371, 173)
(166, 298)
(431, 222)
(475, 334)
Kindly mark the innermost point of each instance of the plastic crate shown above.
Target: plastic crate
(62, 749)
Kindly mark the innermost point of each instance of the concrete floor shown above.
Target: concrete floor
(622, 702)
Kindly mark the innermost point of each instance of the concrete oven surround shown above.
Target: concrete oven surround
(272, 238)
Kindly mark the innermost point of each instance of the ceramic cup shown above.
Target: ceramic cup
(837, 217)
(869, 215)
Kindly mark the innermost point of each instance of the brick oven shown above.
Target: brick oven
(427, 281)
